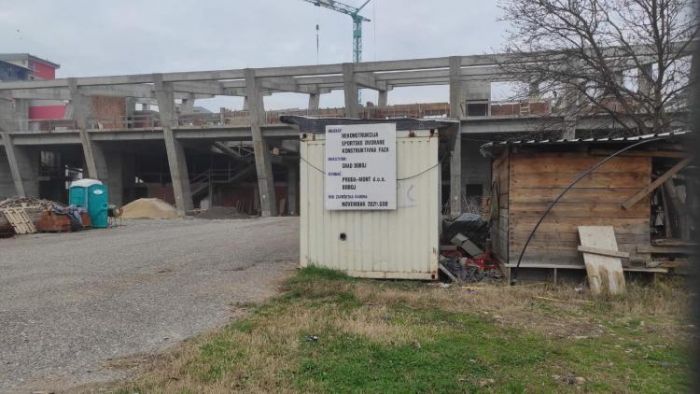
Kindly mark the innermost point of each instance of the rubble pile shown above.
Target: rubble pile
(27, 203)
(465, 251)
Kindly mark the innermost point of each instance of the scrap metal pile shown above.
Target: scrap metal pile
(465, 255)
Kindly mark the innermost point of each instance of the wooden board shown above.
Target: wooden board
(666, 249)
(20, 221)
(603, 252)
(604, 272)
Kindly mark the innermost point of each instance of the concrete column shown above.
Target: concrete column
(533, 90)
(81, 107)
(177, 161)
(456, 151)
(23, 166)
(128, 176)
(314, 101)
(246, 105)
(115, 182)
(187, 106)
(7, 179)
(352, 109)
(22, 163)
(571, 107)
(292, 188)
(383, 98)
(644, 81)
(263, 164)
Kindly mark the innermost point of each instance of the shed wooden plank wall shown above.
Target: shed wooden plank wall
(499, 198)
(536, 178)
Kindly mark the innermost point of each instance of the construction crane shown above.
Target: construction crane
(357, 20)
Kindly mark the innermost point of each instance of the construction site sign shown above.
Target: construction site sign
(361, 167)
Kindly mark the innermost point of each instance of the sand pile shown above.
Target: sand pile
(148, 208)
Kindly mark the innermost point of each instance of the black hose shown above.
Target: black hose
(514, 277)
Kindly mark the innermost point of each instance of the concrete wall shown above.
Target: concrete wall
(109, 111)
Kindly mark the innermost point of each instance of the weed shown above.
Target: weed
(331, 333)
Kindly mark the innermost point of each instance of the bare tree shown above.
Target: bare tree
(629, 59)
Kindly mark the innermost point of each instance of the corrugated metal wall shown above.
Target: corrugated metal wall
(401, 244)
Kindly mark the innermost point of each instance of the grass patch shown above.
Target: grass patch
(331, 333)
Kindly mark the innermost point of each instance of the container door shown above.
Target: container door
(98, 206)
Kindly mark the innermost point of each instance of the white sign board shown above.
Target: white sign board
(361, 167)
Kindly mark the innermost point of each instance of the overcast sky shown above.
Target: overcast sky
(99, 37)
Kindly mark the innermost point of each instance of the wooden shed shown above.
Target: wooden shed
(528, 175)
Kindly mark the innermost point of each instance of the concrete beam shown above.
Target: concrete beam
(368, 80)
(286, 84)
(142, 91)
(208, 87)
(263, 164)
(350, 88)
(241, 92)
(177, 161)
(126, 79)
(456, 148)
(329, 69)
(40, 94)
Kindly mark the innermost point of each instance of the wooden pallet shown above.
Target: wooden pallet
(20, 221)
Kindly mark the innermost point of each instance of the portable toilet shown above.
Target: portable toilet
(92, 195)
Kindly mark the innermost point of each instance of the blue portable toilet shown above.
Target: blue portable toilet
(92, 195)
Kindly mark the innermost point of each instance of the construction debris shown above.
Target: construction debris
(26, 202)
(148, 208)
(467, 257)
(469, 225)
(466, 244)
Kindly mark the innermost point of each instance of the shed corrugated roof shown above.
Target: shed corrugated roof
(488, 147)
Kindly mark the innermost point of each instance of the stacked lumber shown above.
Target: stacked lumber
(32, 207)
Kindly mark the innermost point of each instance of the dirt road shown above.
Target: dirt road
(69, 303)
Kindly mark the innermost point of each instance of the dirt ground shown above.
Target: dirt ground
(73, 305)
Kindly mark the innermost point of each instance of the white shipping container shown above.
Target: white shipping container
(397, 244)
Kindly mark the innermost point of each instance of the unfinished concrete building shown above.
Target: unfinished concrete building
(247, 158)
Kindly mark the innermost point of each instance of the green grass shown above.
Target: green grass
(398, 337)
